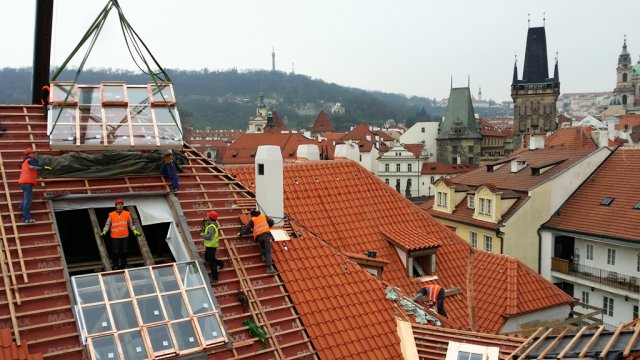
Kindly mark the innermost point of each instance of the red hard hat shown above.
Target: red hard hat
(28, 151)
(212, 215)
(119, 201)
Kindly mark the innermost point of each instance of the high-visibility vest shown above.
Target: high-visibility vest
(260, 225)
(432, 295)
(215, 241)
(28, 175)
(44, 95)
(119, 224)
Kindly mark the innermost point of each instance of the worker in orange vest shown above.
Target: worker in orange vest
(260, 225)
(433, 294)
(120, 222)
(28, 178)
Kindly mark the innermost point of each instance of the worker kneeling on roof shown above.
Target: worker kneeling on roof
(260, 225)
(433, 294)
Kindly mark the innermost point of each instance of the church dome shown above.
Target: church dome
(615, 101)
(636, 69)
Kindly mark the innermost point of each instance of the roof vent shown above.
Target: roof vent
(372, 254)
(517, 165)
(637, 206)
(607, 201)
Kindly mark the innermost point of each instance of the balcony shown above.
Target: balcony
(606, 277)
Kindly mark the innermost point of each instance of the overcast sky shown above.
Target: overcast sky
(412, 47)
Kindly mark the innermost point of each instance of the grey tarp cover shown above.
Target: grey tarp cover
(104, 165)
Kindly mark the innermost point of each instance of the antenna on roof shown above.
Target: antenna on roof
(469, 81)
(452, 81)
(544, 18)
(528, 19)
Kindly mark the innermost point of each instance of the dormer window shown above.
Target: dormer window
(471, 201)
(485, 206)
(443, 199)
(417, 249)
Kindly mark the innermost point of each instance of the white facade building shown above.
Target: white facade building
(400, 169)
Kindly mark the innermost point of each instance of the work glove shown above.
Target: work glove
(237, 234)
(48, 168)
(136, 232)
(103, 233)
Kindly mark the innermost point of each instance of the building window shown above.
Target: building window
(398, 167)
(624, 77)
(488, 243)
(585, 297)
(470, 149)
(474, 239)
(611, 256)
(471, 201)
(635, 311)
(409, 167)
(485, 206)
(424, 264)
(454, 150)
(607, 306)
(386, 167)
(386, 181)
(442, 198)
(589, 252)
(463, 351)
(423, 130)
(433, 179)
(470, 160)
(360, 158)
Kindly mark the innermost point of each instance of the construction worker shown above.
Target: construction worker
(169, 169)
(28, 178)
(260, 225)
(120, 222)
(210, 234)
(433, 294)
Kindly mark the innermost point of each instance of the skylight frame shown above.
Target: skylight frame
(607, 201)
(95, 290)
(129, 119)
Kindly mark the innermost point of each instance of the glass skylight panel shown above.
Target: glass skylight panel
(146, 313)
(114, 116)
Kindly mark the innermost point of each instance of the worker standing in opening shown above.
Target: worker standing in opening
(28, 179)
(433, 294)
(260, 225)
(210, 234)
(120, 222)
(169, 169)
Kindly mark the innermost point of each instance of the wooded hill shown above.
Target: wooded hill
(227, 99)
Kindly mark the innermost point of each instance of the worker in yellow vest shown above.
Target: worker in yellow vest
(260, 225)
(433, 294)
(211, 238)
(119, 222)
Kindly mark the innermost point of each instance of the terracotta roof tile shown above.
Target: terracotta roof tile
(440, 168)
(373, 209)
(619, 178)
(243, 150)
(322, 123)
(409, 239)
(571, 137)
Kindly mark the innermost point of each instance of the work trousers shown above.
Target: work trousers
(440, 304)
(25, 205)
(210, 257)
(119, 247)
(264, 240)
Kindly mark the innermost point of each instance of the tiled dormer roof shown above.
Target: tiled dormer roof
(410, 239)
(350, 209)
(618, 178)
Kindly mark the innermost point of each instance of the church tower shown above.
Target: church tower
(535, 95)
(624, 86)
(459, 139)
(258, 122)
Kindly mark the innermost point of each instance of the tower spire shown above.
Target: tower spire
(555, 70)
(273, 59)
(515, 71)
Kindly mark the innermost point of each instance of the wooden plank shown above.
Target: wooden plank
(593, 340)
(553, 344)
(535, 345)
(525, 344)
(632, 341)
(610, 343)
(572, 343)
(15, 233)
(142, 240)
(102, 250)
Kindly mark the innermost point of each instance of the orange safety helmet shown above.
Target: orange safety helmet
(212, 215)
(28, 151)
(119, 201)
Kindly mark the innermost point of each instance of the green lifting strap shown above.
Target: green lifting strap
(131, 39)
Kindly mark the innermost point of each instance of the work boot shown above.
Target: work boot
(271, 270)
(221, 265)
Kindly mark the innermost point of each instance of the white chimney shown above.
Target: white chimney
(536, 142)
(517, 165)
(368, 137)
(308, 151)
(600, 137)
(269, 182)
(348, 150)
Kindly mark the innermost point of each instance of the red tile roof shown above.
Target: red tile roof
(409, 239)
(9, 350)
(350, 209)
(619, 178)
(360, 132)
(279, 125)
(415, 149)
(523, 180)
(492, 132)
(571, 137)
(244, 149)
(628, 120)
(440, 168)
(322, 123)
